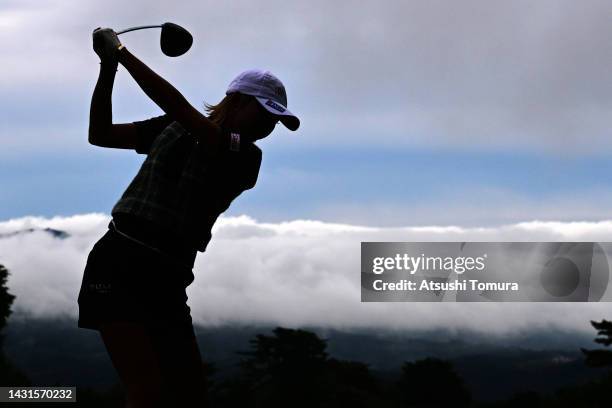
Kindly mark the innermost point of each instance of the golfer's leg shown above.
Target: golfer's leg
(181, 365)
(134, 357)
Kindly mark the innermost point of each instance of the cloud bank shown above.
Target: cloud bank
(293, 273)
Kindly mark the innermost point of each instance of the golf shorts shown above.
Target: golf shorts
(126, 281)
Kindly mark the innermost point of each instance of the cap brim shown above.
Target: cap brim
(287, 118)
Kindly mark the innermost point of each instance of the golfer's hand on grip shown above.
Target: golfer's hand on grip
(105, 44)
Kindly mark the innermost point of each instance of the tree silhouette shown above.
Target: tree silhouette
(9, 374)
(292, 368)
(284, 369)
(6, 300)
(432, 382)
(350, 384)
(600, 357)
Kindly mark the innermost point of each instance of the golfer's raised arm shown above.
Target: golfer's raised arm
(171, 101)
(100, 112)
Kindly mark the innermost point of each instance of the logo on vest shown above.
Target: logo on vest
(100, 288)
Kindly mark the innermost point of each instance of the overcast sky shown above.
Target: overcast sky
(413, 113)
(471, 74)
(429, 114)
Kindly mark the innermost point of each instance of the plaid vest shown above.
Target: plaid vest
(181, 190)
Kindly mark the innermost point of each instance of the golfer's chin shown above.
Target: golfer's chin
(253, 136)
(250, 139)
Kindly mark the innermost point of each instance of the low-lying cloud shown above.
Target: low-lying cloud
(293, 273)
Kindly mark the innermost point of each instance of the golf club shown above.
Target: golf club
(174, 39)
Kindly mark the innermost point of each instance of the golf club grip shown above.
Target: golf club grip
(136, 28)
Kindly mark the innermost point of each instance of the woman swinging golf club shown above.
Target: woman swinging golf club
(133, 288)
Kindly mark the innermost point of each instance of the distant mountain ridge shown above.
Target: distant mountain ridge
(55, 233)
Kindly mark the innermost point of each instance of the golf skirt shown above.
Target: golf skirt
(127, 281)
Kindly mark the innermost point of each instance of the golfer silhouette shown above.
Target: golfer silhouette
(134, 284)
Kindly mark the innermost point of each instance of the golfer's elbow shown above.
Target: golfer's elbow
(97, 134)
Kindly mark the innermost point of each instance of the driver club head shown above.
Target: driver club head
(174, 40)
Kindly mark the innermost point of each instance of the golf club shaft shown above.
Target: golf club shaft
(137, 28)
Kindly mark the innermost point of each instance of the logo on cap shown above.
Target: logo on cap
(274, 105)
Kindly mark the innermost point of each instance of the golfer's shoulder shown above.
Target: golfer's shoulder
(251, 153)
(248, 151)
(153, 125)
(251, 149)
(147, 130)
(251, 164)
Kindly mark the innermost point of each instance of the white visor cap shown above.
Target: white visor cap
(269, 92)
